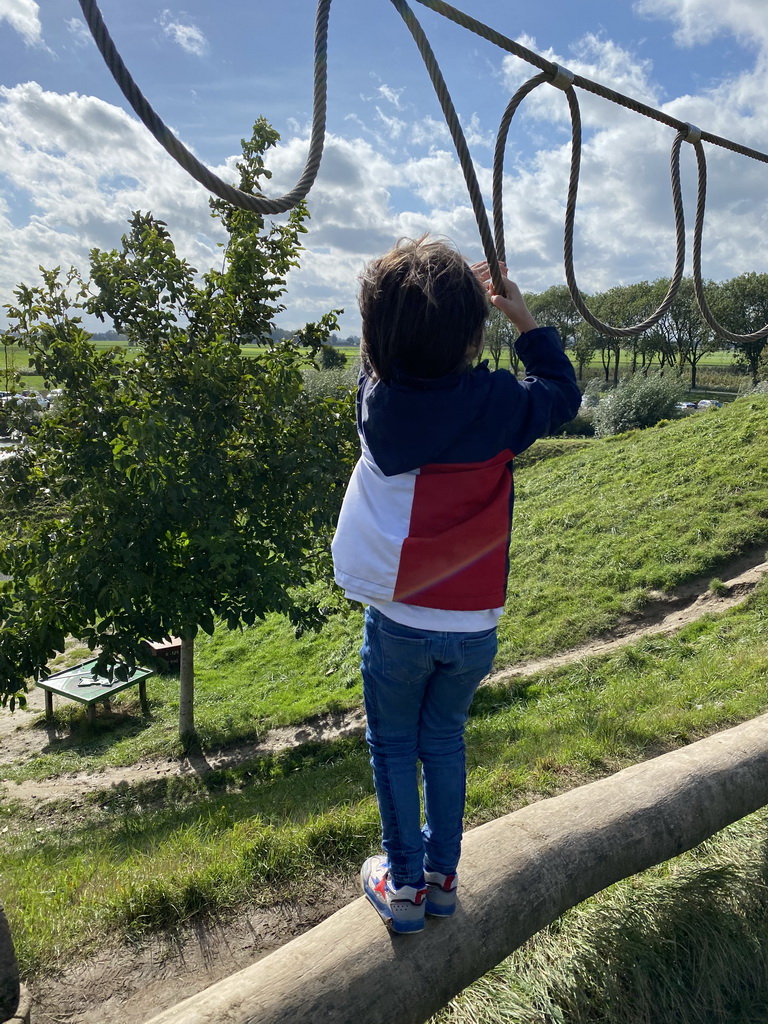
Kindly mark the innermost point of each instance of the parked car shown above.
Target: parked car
(35, 399)
(709, 403)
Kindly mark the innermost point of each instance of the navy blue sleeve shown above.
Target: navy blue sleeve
(552, 396)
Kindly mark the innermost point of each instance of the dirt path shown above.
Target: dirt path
(122, 985)
(665, 613)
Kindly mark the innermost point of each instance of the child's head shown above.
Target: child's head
(423, 310)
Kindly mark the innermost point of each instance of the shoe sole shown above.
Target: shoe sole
(433, 910)
(397, 927)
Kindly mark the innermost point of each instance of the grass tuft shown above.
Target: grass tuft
(683, 942)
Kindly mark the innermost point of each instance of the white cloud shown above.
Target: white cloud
(188, 36)
(77, 167)
(700, 21)
(391, 95)
(24, 16)
(429, 130)
(79, 31)
(394, 126)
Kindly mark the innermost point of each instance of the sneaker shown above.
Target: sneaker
(441, 893)
(402, 910)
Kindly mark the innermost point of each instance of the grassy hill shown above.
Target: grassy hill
(599, 527)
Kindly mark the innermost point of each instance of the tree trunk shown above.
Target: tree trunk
(187, 690)
(9, 971)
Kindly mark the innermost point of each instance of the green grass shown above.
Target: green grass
(597, 526)
(153, 854)
(598, 530)
(245, 683)
(684, 942)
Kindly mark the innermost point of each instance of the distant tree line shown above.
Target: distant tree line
(679, 340)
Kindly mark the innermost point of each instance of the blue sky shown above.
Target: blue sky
(74, 161)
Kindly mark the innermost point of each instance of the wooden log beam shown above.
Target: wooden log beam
(518, 874)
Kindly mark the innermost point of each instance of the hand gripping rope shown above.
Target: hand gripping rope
(493, 243)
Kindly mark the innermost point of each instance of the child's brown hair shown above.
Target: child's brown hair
(423, 310)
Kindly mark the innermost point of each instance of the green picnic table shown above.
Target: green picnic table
(79, 683)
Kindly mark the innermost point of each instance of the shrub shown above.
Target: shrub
(582, 424)
(330, 358)
(336, 383)
(638, 402)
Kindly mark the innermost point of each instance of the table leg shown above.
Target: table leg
(143, 696)
(90, 710)
(48, 706)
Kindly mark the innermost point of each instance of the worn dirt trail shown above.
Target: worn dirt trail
(665, 613)
(129, 985)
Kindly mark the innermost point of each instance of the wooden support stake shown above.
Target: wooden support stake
(517, 875)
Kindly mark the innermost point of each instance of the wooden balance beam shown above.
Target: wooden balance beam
(518, 873)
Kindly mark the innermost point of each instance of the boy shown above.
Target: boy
(423, 541)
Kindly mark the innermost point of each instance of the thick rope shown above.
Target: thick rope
(498, 160)
(493, 246)
(462, 150)
(180, 153)
(552, 69)
(570, 214)
(570, 217)
(698, 283)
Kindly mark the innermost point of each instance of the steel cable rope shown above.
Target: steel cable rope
(552, 70)
(560, 77)
(180, 153)
(570, 216)
(497, 186)
(460, 143)
(698, 283)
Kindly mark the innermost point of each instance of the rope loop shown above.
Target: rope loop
(498, 159)
(459, 141)
(180, 153)
(570, 217)
(698, 284)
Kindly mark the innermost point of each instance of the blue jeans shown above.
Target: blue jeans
(418, 685)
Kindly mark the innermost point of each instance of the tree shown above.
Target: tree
(330, 358)
(499, 334)
(585, 342)
(184, 485)
(639, 401)
(685, 331)
(741, 305)
(555, 306)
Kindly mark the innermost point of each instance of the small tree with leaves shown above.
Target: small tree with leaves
(185, 485)
(741, 304)
(499, 335)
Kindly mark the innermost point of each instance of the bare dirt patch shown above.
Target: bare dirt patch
(664, 613)
(131, 984)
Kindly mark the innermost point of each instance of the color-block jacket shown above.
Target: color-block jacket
(427, 515)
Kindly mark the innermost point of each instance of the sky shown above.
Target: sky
(75, 161)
